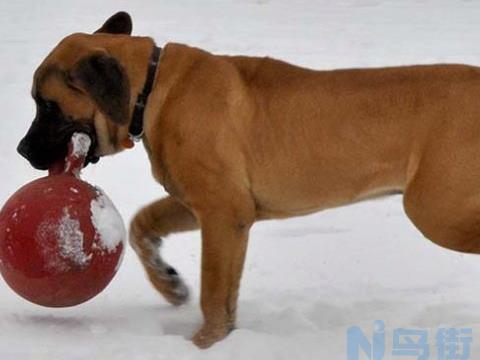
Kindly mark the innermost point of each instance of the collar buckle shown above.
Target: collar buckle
(136, 137)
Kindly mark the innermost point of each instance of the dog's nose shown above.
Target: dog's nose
(23, 148)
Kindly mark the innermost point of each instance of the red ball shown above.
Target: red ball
(61, 241)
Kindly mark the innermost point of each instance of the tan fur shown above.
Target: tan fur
(239, 139)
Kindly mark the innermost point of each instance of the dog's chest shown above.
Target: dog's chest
(160, 170)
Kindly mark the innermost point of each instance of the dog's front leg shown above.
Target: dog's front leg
(225, 229)
(148, 227)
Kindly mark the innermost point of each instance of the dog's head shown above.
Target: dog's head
(82, 86)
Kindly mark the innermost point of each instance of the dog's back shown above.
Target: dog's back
(319, 139)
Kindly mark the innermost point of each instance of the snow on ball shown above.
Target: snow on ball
(107, 221)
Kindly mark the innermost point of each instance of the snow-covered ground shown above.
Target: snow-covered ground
(306, 279)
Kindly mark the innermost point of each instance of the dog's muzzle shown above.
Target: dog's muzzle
(42, 146)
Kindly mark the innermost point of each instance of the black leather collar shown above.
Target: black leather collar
(136, 126)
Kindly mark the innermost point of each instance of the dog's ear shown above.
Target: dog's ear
(119, 23)
(104, 79)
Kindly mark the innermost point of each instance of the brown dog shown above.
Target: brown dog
(237, 139)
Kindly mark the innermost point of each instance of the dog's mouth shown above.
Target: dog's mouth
(43, 149)
(92, 156)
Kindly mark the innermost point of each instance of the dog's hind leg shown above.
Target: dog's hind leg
(443, 197)
(148, 227)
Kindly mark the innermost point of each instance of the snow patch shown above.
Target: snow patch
(107, 222)
(70, 240)
(81, 144)
(68, 249)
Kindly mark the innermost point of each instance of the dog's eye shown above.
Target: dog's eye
(49, 105)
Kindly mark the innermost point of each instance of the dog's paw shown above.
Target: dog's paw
(209, 335)
(178, 292)
(169, 283)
